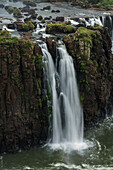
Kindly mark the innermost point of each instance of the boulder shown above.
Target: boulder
(40, 17)
(25, 9)
(47, 18)
(60, 19)
(25, 26)
(58, 28)
(47, 8)
(11, 26)
(55, 11)
(29, 3)
(34, 16)
(1, 6)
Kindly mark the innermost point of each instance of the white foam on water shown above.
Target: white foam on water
(74, 22)
(5, 28)
(70, 166)
(38, 30)
(28, 168)
(69, 146)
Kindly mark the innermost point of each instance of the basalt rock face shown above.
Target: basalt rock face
(23, 120)
(91, 52)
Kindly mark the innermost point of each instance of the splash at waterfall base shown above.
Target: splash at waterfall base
(24, 112)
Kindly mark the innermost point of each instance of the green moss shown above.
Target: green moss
(43, 21)
(87, 35)
(84, 35)
(49, 110)
(39, 62)
(81, 98)
(10, 9)
(59, 28)
(37, 116)
(39, 91)
(39, 82)
(25, 64)
(31, 26)
(101, 4)
(9, 39)
(26, 96)
(4, 33)
(40, 103)
(17, 11)
(28, 26)
(25, 27)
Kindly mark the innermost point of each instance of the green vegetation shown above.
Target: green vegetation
(4, 33)
(102, 4)
(59, 28)
(39, 62)
(8, 39)
(86, 35)
(28, 26)
(10, 9)
(17, 11)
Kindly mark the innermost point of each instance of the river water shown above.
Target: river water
(96, 155)
(96, 151)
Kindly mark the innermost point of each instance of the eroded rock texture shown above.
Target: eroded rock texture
(91, 52)
(22, 105)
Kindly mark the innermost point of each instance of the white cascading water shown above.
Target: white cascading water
(50, 73)
(111, 24)
(67, 112)
(69, 100)
(93, 21)
(103, 20)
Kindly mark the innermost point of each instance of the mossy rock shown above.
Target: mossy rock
(4, 33)
(85, 35)
(58, 28)
(28, 26)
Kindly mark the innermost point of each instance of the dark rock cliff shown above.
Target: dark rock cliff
(91, 52)
(23, 106)
(23, 120)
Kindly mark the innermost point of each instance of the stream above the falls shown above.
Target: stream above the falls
(98, 155)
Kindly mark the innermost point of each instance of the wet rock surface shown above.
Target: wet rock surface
(91, 51)
(23, 119)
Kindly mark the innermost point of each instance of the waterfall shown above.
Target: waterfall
(111, 29)
(93, 21)
(103, 20)
(66, 109)
(50, 73)
(69, 100)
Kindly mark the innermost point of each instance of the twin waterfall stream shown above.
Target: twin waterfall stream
(67, 124)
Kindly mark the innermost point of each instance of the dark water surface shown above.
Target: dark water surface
(97, 155)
